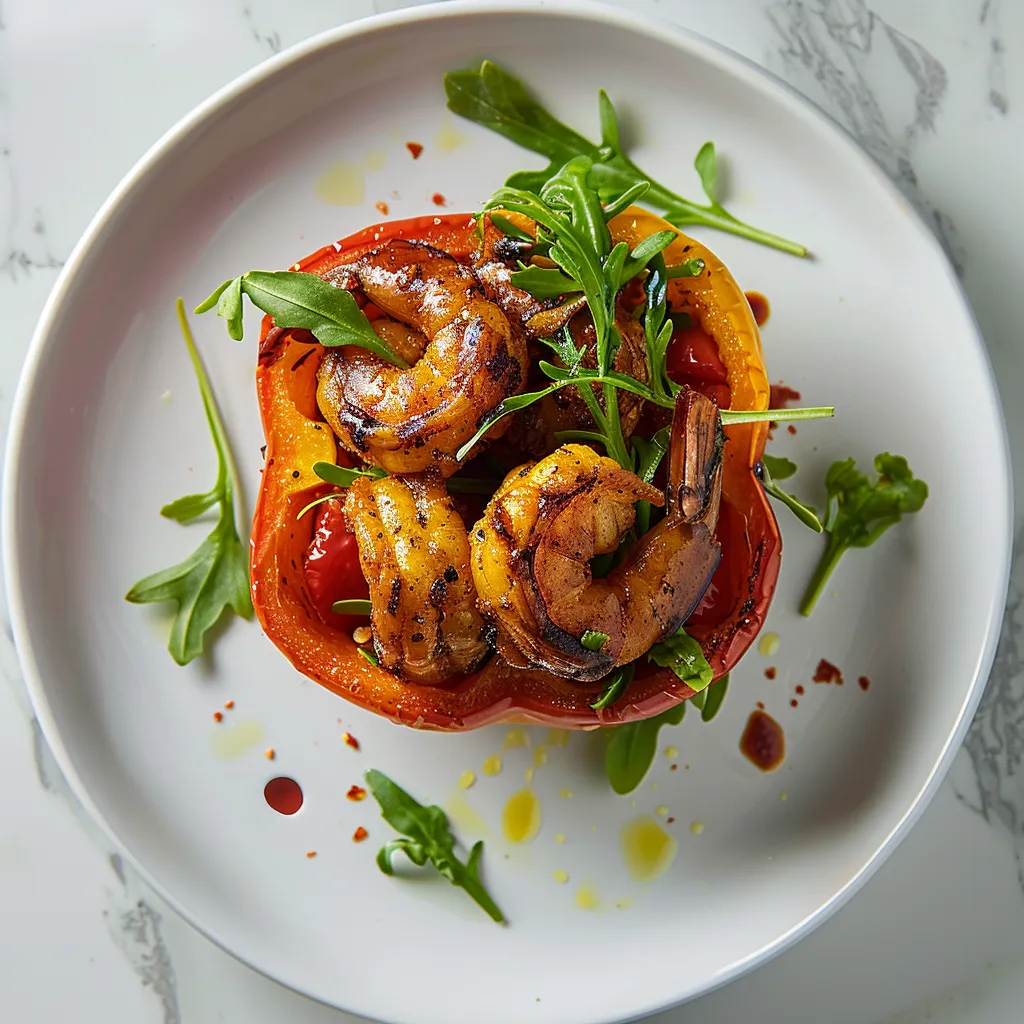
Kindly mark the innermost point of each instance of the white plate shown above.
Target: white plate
(875, 324)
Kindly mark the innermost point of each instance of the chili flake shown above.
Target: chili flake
(415, 148)
(359, 835)
(217, 716)
(311, 854)
(356, 793)
(351, 741)
(229, 704)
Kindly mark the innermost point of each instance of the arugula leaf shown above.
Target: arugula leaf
(216, 575)
(544, 282)
(859, 512)
(342, 476)
(647, 455)
(429, 837)
(714, 699)
(353, 606)
(618, 680)
(367, 655)
(681, 653)
(298, 300)
(492, 97)
(593, 639)
(506, 227)
(632, 747)
(771, 467)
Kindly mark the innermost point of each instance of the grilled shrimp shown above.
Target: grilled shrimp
(466, 359)
(414, 553)
(531, 550)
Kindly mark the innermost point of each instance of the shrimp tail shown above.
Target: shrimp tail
(694, 490)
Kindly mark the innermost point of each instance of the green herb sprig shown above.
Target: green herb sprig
(216, 575)
(859, 512)
(492, 97)
(427, 836)
(774, 468)
(298, 300)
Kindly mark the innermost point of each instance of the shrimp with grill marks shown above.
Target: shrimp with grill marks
(414, 553)
(466, 358)
(531, 551)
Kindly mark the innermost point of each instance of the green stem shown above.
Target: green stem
(682, 211)
(829, 560)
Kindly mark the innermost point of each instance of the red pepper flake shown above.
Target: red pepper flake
(794, 702)
(673, 767)
(760, 705)
(218, 717)
(800, 690)
(863, 682)
(356, 793)
(359, 835)
(270, 753)
(668, 821)
(311, 854)
(438, 200)
(229, 704)
(382, 208)
(350, 740)
(780, 396)
(791, 428)
(415, 148)
(826, 672)
(769, 672)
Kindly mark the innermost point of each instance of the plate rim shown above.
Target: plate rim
(193, 122)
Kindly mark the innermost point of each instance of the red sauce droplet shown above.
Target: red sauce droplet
(356, 793)
(800, 690)
(438, 199)
(763, 742)
(791, 428)
(760, 705)
(794, 702)
(382, 208)
(668, 821)
(284, 795)
(673, 767)
(759, 307)
(359, 835)
(415, 148)
(770, 672)
(863, 682)
(826, 672)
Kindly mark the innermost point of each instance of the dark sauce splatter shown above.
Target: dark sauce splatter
(759, 307)
(863, 682)
(415, 148)
(826, 672)
(283, 794)
(763, 742)
(770, 672)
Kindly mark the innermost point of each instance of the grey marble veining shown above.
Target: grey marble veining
(990, 20)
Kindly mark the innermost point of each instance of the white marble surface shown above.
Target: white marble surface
(934, 91)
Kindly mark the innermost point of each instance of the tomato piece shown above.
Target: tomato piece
(332, 568)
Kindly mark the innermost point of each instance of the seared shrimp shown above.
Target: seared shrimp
(466, 359)
(531, 550)
(414, 553)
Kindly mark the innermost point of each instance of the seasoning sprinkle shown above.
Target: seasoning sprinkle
(269, 753)
(359, 835)
(356, 793)
(229, 704)
(218, 717)
(350, 740)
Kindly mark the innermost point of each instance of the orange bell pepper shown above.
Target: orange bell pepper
(296, 436)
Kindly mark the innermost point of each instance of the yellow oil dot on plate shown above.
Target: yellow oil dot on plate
(342, 184)
(696, 827)
(466, 779)
(625, 903)
(460, 811)
(515, 738)
(492, 765)
(448, 137)
(529, 774)
(561, 876)
(565, 793)
(662, 811)
(557, 738)
(560, 838)
(587, 898)
(647, 849)
(375, 159)
(783, 795)
(520, 820)
(768, 645)
(235, 740)
(672, 752)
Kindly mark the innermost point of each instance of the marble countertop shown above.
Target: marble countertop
(934, 92)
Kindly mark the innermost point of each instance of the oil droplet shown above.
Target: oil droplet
(492, 765)
(342, 184)
(230, 742)
(466, 779)
(520, 821)
(647, 849)
(587, 898)
(375, 159)
(625, 903)
(557, 738)
(783, 795)
(565, 793)
(448, 138)
(662, 811)
(458, 808)
(515, 738)
(284, 795)
(672, 752)
(768, 645)
(560, 838)
(529, 774)
(654, 785)
(561, 876)
(540, 757)
(696, 827)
